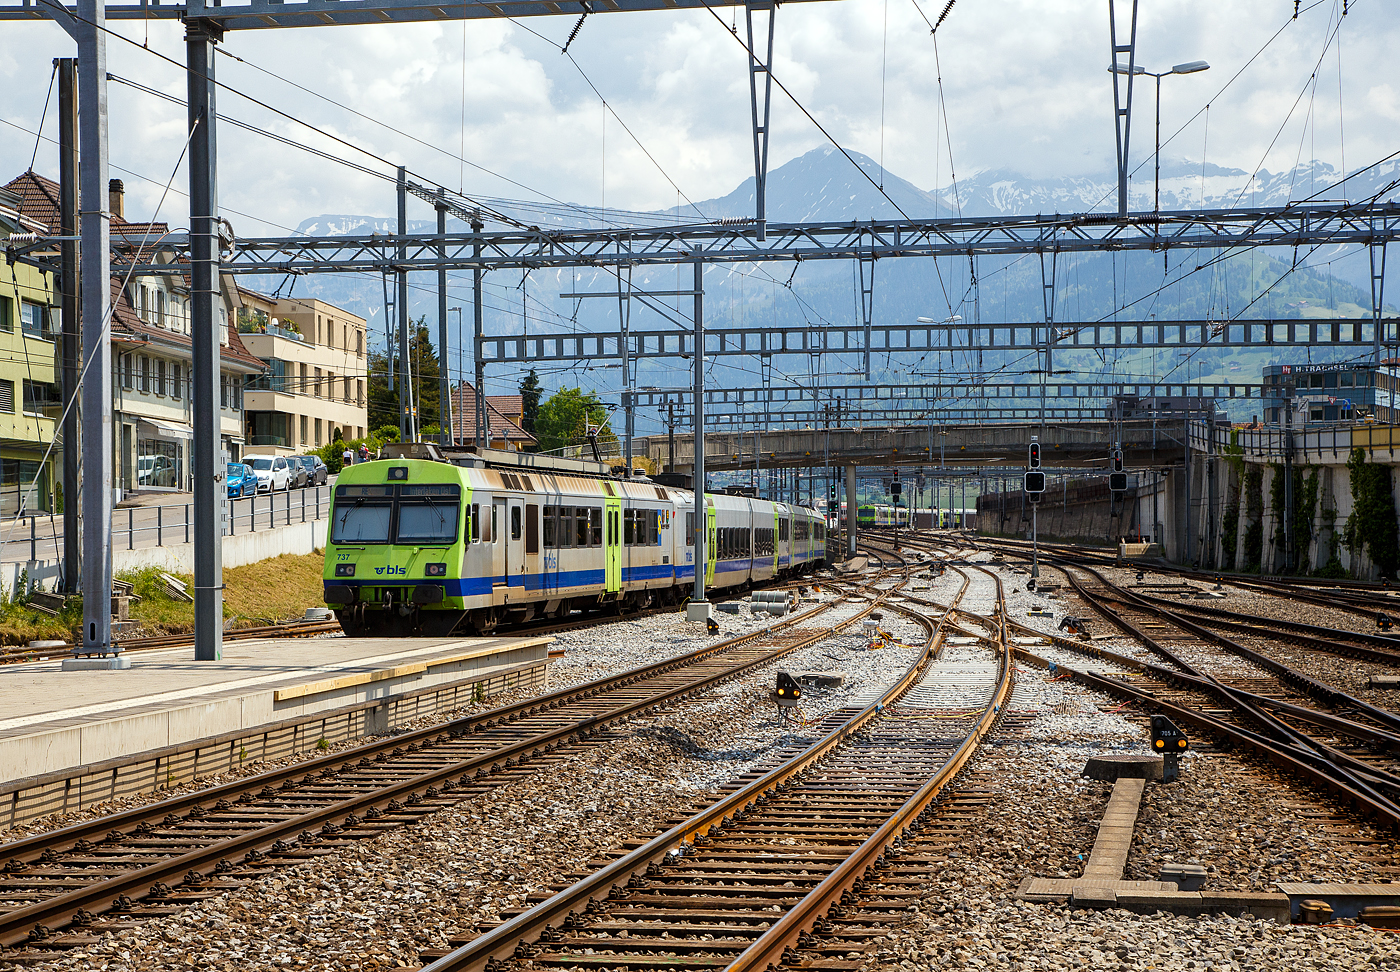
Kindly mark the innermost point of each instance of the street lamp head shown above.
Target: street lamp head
(1190, 67)
(1123, 69)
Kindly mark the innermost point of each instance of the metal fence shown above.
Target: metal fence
(159, 526)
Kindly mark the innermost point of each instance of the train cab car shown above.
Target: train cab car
(433, 547)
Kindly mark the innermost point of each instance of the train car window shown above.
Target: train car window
(597, 521)
(475, 525)
(549, 527)
(690, 529)
(532, 528)
(515, 523)
(495, 526)
(529, 486)
(428, 514)
(581, 531)
(655, 519)
(362, 514)
(566, 526)
(782, 529)
(629, 533)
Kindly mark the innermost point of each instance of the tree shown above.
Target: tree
(423, 362)
(530, 399)
(562, 419)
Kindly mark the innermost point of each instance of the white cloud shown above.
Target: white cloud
(1024, 83)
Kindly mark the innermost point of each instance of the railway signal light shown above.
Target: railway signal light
(1171, 742)
(1035, 453)
(1035, 484)
(787, 693)
(1383, 622)
(895, 487)
(1117, 479)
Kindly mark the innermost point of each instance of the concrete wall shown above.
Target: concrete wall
(1084, 512)
(1219, 471)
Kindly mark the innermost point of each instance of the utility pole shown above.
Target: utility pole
(699, 608)
(68, 343)
(95, 256)
(444, 384)
(670, 436)
(405, 384)
(206, 319)
(483, 428)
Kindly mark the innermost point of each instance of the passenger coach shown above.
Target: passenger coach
(422, 544)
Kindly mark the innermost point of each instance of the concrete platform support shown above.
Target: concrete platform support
(80, 787)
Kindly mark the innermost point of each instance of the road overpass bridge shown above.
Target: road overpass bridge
(1081, 445)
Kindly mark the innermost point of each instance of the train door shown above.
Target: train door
(498, 547)
(612, 544)
(532, 545)
(515, 543)
(711, 545)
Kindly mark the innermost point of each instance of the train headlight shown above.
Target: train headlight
(398, 474)
(345, 570)
(437, 570)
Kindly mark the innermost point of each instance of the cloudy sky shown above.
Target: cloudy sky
(1023, 81)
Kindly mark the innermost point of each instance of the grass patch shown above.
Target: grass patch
(270, 590)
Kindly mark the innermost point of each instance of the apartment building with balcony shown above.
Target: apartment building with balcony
(152, 349)
(29, 393)
(314, 382)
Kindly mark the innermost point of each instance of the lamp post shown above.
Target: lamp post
(1190, 67)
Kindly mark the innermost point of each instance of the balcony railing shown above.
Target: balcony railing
(268, 440)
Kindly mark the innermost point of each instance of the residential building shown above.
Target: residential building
(503, 422)
(29, 395)
(152, 349)
(314, 382)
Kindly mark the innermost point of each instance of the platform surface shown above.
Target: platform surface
(51, 718)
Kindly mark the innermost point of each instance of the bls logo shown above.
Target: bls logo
(391, 569)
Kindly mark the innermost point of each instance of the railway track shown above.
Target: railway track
(64, 888)
(798, 860)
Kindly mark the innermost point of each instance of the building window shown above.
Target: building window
(303, 440)
(160, 307)
(177, 377)
(127, 371)
(160, 377)
(39, 396)
(34, 318)
(145, 374)
(318, 383)
(7, 311)
(348, 384)
(301, 387)
(237, 383)
(359, 391)
(359, 341)
(7, 396)
(318, 432)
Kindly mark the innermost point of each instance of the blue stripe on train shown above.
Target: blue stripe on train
(478, 586)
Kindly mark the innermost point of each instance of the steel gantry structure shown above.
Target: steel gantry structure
(206, 23)
(482, 251)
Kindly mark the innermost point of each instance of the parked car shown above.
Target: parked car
(241, 481)
(155, 470)
(273, 473)
(297, 476)
(316, 471)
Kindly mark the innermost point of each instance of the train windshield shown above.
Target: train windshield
(428, 514)
(363, 514)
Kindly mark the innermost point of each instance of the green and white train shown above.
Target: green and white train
(431, 546)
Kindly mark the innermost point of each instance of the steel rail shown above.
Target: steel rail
(775, 946)
(520, 933)
(44, 916)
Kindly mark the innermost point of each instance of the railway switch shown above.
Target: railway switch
(1172, 743)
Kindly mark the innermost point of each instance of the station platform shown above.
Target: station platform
(70, 739)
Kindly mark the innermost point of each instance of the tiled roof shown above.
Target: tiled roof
(38, 199)
(507, 404)
(464, 417)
